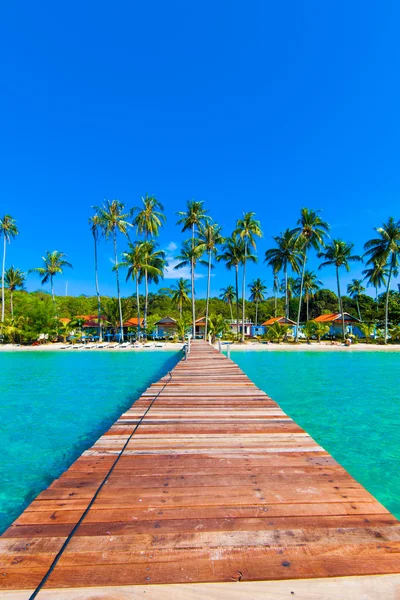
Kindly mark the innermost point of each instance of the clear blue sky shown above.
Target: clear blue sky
(260, 106)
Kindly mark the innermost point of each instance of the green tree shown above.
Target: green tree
(112, 312)
(228, 295)
(311, 232)
(309, 329)
(148, 221)
(368, 330)
(8, 230)
(180, 294)
(182, 327)
(338, 254)
(395, 333)
(286, 254)
(311, 284)
(191, 255)
(376, 276)
(275, 289)
(191, 220)
(354, 289)
(385, 251)
(277, 332)
(218, 326)
(153, 257)
(210, 239)
(233, 256)
(257, 293)
(321, 329)
(54, 264)
(14, 278)
(247, 228)
(113, 219)
(96, 227)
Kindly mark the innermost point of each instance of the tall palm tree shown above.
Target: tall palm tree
(292, 290)
(228, 295)
(8, 230)
(210, 239)
(354, 289)
(148, 221)
(233, 256)
(286, 254)
(190, 220)
(385, 250)
(189, 257)
(136, 261)
(338, 254)
(96, 227)
(311, 284)
(154, 258)
(14, 279)
(247, 228)
(275, 289)
(311, 232)
(257, 293)
(113, 219)
(377, 277)
(180, 294)
(54, 263)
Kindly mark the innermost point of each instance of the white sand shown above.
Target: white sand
(59, 346)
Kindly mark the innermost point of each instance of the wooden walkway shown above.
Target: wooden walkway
(216, 484)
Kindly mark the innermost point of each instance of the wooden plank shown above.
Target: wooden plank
(217, 484)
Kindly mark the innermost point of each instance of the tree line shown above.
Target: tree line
(206, 245)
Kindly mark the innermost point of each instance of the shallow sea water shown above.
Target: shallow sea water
(348, 402)
(54, 405)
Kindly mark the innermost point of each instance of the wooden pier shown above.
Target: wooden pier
(214, 493)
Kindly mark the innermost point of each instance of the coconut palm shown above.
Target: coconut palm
(276, 288)
(309, 329)
(233, 255)
(376, 276)
(8, 230)
(385, 251)
(311, 232)
(257, 293)
(311, 284)
(395, 333)
(136, 260)
(286, 254)
(148, 221)
(190, 256)
(354, 289)
(96, 227)
(210, 238)
(180, 294)
(191, 220)
(338, 254)
(320, 329)
(54, 263)
(228, 295)
(14, 279)
(155, 258)
(113, 219)
(277, 332)
(218, 326)
(247, 228)
(112, 313)
(182, 326)
(368, 330)
(292, 290)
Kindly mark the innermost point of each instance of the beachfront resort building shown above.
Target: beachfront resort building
(236, 327)
(282, 321)
(165, 327)
(334, 320)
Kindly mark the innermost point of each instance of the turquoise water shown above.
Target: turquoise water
(348, 402)
(54, 405)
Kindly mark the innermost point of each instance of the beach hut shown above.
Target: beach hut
(235, 327)
(166, 327)
(282, 321)
(334, 320)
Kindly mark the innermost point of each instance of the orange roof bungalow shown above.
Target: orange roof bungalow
(133, 322)
(281, 320)
(334, 320)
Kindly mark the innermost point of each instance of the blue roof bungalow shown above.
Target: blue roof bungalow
(334, 320)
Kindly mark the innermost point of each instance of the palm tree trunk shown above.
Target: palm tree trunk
(230, 306)
(11, 304)
(276, 302)
(307, 308)
(358, 308)
(146, 299)
(208, 293)
(180, 309)
(301, 293)
(237, 300)
(96, 272)
(340, 301)
(256, 313)
(121, 324)
(244, 288)
(138, 306)
(387, 303)
(2, 280)
(192, 282)
(286, 294)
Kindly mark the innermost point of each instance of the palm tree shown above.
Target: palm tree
(233, 255)
(180, 294)
(311, 232)
(277, 332)
(156, 259)
(14, 279)
(338, 254)
(218, 326)
(136, 261)
(368, 330)
(286, 254)
(257, 293)
(275, 289)
(113, 220)
(96, 227)
(321, 329)
(189, 257)
(54, 263)
(385, 250)
(228, 295)
(354, 289)
(192, 218)
(8, 230)
(112, 313)
(210, 238)
(311, 284)
(376, 276)
(247, 229)
(148, 221)
(292, 289)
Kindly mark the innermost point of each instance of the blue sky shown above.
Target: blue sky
(248, 106)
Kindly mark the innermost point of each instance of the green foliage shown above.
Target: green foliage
(278, 332)
(217, 326)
